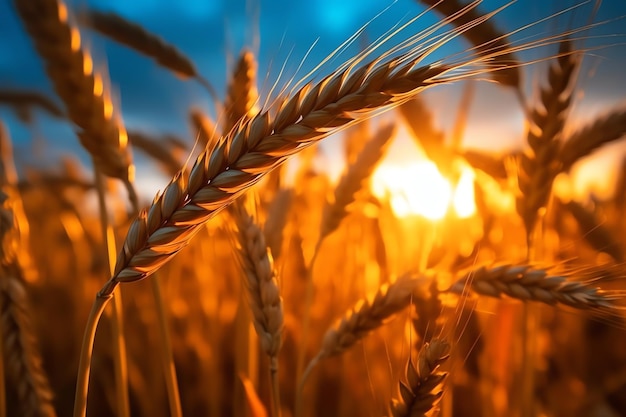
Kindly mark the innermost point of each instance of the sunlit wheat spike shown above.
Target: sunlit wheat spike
(368, 315)
(356, 90)
(70, 68)
(603, 130)
(157, 148)
(242, 94)
(253, 148)
(539, 167)
(597, 234)
(354, 178)
(24, 101)
(260, 281)
(485, 37)
(422, 391)
(528, 283)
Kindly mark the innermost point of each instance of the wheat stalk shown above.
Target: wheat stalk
(70, 69)
(601, 131)
(422, 391)
(538, 168)
(528, 283)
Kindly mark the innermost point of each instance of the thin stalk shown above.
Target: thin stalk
(529, 327)
(167, 356)
(165, 347)
(117, 317)
(86, 352)
(306, 325)
(275, 387)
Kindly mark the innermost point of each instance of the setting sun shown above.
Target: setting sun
(420, 189)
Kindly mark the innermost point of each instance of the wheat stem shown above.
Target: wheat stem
(167, 355)
(117, 317)
(86, 352)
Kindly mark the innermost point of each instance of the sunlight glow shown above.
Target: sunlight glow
(420, 189)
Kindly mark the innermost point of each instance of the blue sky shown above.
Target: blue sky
(212, 32)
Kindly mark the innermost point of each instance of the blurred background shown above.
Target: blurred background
(292, 37)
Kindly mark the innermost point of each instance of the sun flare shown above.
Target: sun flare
(420, 189)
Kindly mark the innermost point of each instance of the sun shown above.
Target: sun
(419, 189)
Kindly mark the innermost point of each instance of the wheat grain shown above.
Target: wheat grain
(83, 92)
(422, 391)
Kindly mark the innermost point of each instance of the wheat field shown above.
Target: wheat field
(465, 282)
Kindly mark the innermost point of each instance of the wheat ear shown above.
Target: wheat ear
(528, 283)
(365, 317)
(18, 342)
(538, 168)
(421, 393)
(601, 131)
(136, 37)
(242, 94)
(82, 90)
(264, 297)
